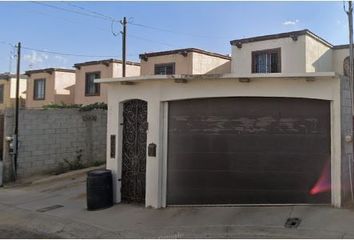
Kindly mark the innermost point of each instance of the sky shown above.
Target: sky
(92, 29)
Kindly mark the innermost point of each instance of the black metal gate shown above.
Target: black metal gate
(134, 151)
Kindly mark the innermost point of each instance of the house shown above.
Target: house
(8, 90)
(88, 92)
(277, 129)
(184, 61)
(50, 86)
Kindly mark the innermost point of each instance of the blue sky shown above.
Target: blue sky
(206, 25)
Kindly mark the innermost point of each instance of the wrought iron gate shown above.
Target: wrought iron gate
(134, 151)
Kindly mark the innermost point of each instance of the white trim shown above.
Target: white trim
(164, 156)
(216, 76)
(119, 153)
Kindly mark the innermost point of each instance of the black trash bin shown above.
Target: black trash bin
(99, 189)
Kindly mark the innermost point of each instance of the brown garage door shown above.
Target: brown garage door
(248, 151)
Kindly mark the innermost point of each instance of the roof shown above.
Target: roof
(49, 70)
(7, 75)
(293, 34)
(105, 62)
(184, 51)
(343, 46)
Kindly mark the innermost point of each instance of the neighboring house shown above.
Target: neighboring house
(50, 86)
(184, 61)
(8, 90)
(287, 53)
(86, 90)
(276, 130)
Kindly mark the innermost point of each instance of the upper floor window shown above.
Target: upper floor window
(39, 89)
(2, 93)
(266, 61)
(92, 88)
(165, 69)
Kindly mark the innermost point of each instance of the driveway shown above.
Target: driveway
(55, 207)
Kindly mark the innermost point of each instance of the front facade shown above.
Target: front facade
(8, 90)
(276, 130)
(50, 86)
(88, 92)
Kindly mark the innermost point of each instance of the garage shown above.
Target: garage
(248, 150)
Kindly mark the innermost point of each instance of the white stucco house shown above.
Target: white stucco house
(275, 129)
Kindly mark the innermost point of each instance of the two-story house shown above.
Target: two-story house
(89, 92)
(50, 86)
(184, 61)
(8, 90)
(275, 129)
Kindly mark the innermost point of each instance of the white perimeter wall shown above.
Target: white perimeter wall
(158, 92)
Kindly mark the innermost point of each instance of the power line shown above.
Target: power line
(71, 11)
(145, 39)
(92, 12)
(69, 20)
(67, 54)
(174, 32)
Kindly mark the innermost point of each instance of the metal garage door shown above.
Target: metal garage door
(247, 151)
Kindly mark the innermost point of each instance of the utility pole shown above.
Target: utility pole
(124, 49)
(17, 104)
(349, 13)
(350, 21)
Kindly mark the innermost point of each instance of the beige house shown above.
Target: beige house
(276, 130)
(88, 92)
(8, 90)
(184, 61)
(50, 86)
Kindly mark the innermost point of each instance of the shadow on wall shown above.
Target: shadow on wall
(324, 63)
(221, 69)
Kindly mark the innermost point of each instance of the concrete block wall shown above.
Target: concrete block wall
(347, 147)
(47, 137)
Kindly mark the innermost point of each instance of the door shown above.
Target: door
(134, 151)
(248, 151)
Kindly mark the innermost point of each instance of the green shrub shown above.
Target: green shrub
(80, 107)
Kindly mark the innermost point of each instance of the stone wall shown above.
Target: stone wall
(347, 146)
(49, 137)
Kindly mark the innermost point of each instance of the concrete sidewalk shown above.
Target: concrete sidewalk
(19, 207)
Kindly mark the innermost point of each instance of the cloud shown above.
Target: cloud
(60, 59)
(291, 22)
(35, 58)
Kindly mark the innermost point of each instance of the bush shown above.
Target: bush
(80, 107)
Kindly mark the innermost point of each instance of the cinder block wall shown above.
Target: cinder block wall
(347, 147)
(47, 137)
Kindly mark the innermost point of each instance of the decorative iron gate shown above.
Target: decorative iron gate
(134, 151)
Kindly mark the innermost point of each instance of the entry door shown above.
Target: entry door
(134, 151)
(248, 151)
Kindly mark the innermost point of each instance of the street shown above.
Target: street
(55, 207)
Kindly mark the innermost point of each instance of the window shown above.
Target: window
(92, 88)
(39, 89)
(267, 61)
(165, 69)
(2, 93)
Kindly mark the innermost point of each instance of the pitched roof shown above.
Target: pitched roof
(293, 34)
(184, 51)
(105, 62)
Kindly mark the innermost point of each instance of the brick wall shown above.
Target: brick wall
(47, 137)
